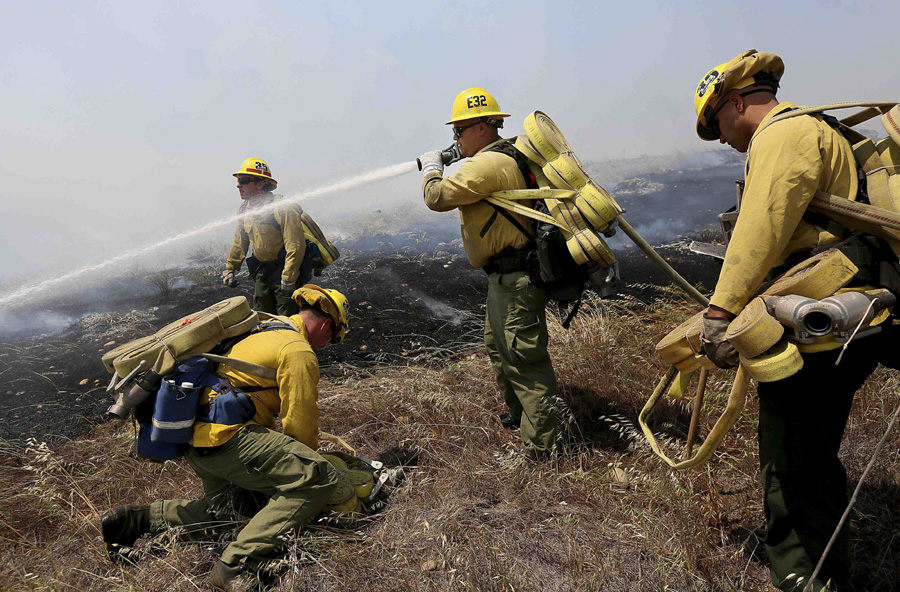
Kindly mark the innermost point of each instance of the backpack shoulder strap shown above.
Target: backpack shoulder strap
(267, 322)
(505, 213)
(874, 185)
(872, 109)
(508, 148)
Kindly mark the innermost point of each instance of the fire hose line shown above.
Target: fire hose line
(682, 283)
(736, 400)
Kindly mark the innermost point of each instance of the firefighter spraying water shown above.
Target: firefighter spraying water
(25, 295)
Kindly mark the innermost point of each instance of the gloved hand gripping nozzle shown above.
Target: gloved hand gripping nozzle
(448, 155)
(840, 314)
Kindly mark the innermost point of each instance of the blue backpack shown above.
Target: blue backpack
(166, 418)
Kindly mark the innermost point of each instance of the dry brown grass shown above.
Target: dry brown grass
(472, 515)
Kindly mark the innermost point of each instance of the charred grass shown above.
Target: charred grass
(472, 514)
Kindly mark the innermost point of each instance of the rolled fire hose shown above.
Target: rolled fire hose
(754, 330)
(327, 250)
(583, 209)
(682, 343)
(779, 362)
(819, 277)
(186, 337)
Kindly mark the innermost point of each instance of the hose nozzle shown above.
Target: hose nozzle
(144, 386)
(448, 155)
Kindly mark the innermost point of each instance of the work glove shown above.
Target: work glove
(432, 163)
(715, 347)
(288, 287)
(228, 278)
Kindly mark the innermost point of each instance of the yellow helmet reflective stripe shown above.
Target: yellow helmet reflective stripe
(475, 102)
(331, 302)
(746, 69)
(256, 167)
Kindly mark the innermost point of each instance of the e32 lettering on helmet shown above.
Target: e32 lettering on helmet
(476, 101)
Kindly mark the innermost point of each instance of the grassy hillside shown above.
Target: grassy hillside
(472, 514)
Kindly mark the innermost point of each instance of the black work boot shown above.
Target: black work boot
(124, 524)
(226, 578)
(509, 422)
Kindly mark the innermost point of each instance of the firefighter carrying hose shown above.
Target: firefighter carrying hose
(233, 457)
(273, 243)
(515, 328)
(801, 418)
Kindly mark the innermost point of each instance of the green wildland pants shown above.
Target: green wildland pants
(297, 481)
(801, 424)
(515, 335)
(267, 294)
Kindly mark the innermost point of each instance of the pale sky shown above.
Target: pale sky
(123, 121)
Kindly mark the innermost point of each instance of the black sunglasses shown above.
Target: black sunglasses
(713, 124)
(247, 180)
(458, 130)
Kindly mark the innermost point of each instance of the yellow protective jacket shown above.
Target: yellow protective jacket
(267, 234)
(477, 178)
(293, 396)
(786, 164)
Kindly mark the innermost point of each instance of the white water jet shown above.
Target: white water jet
(348, 183)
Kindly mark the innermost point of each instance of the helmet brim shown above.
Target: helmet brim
(476, 116)
(705, 133)
(241, 173)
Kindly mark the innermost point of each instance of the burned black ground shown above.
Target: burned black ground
(407, 308)
(415, 300)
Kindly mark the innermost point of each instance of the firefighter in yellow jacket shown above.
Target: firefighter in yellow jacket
(273, 242)
(515, 327)
(801, 418)
(234, 458)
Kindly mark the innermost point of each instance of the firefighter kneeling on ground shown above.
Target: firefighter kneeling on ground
(801, 418)
(232, 460)
(273, 243)
(515, 326)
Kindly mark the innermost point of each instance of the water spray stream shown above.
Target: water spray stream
(344, 184)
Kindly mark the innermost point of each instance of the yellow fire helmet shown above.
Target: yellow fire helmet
(746, 69)
(331, 302)
(475, 102)
(256, 167)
